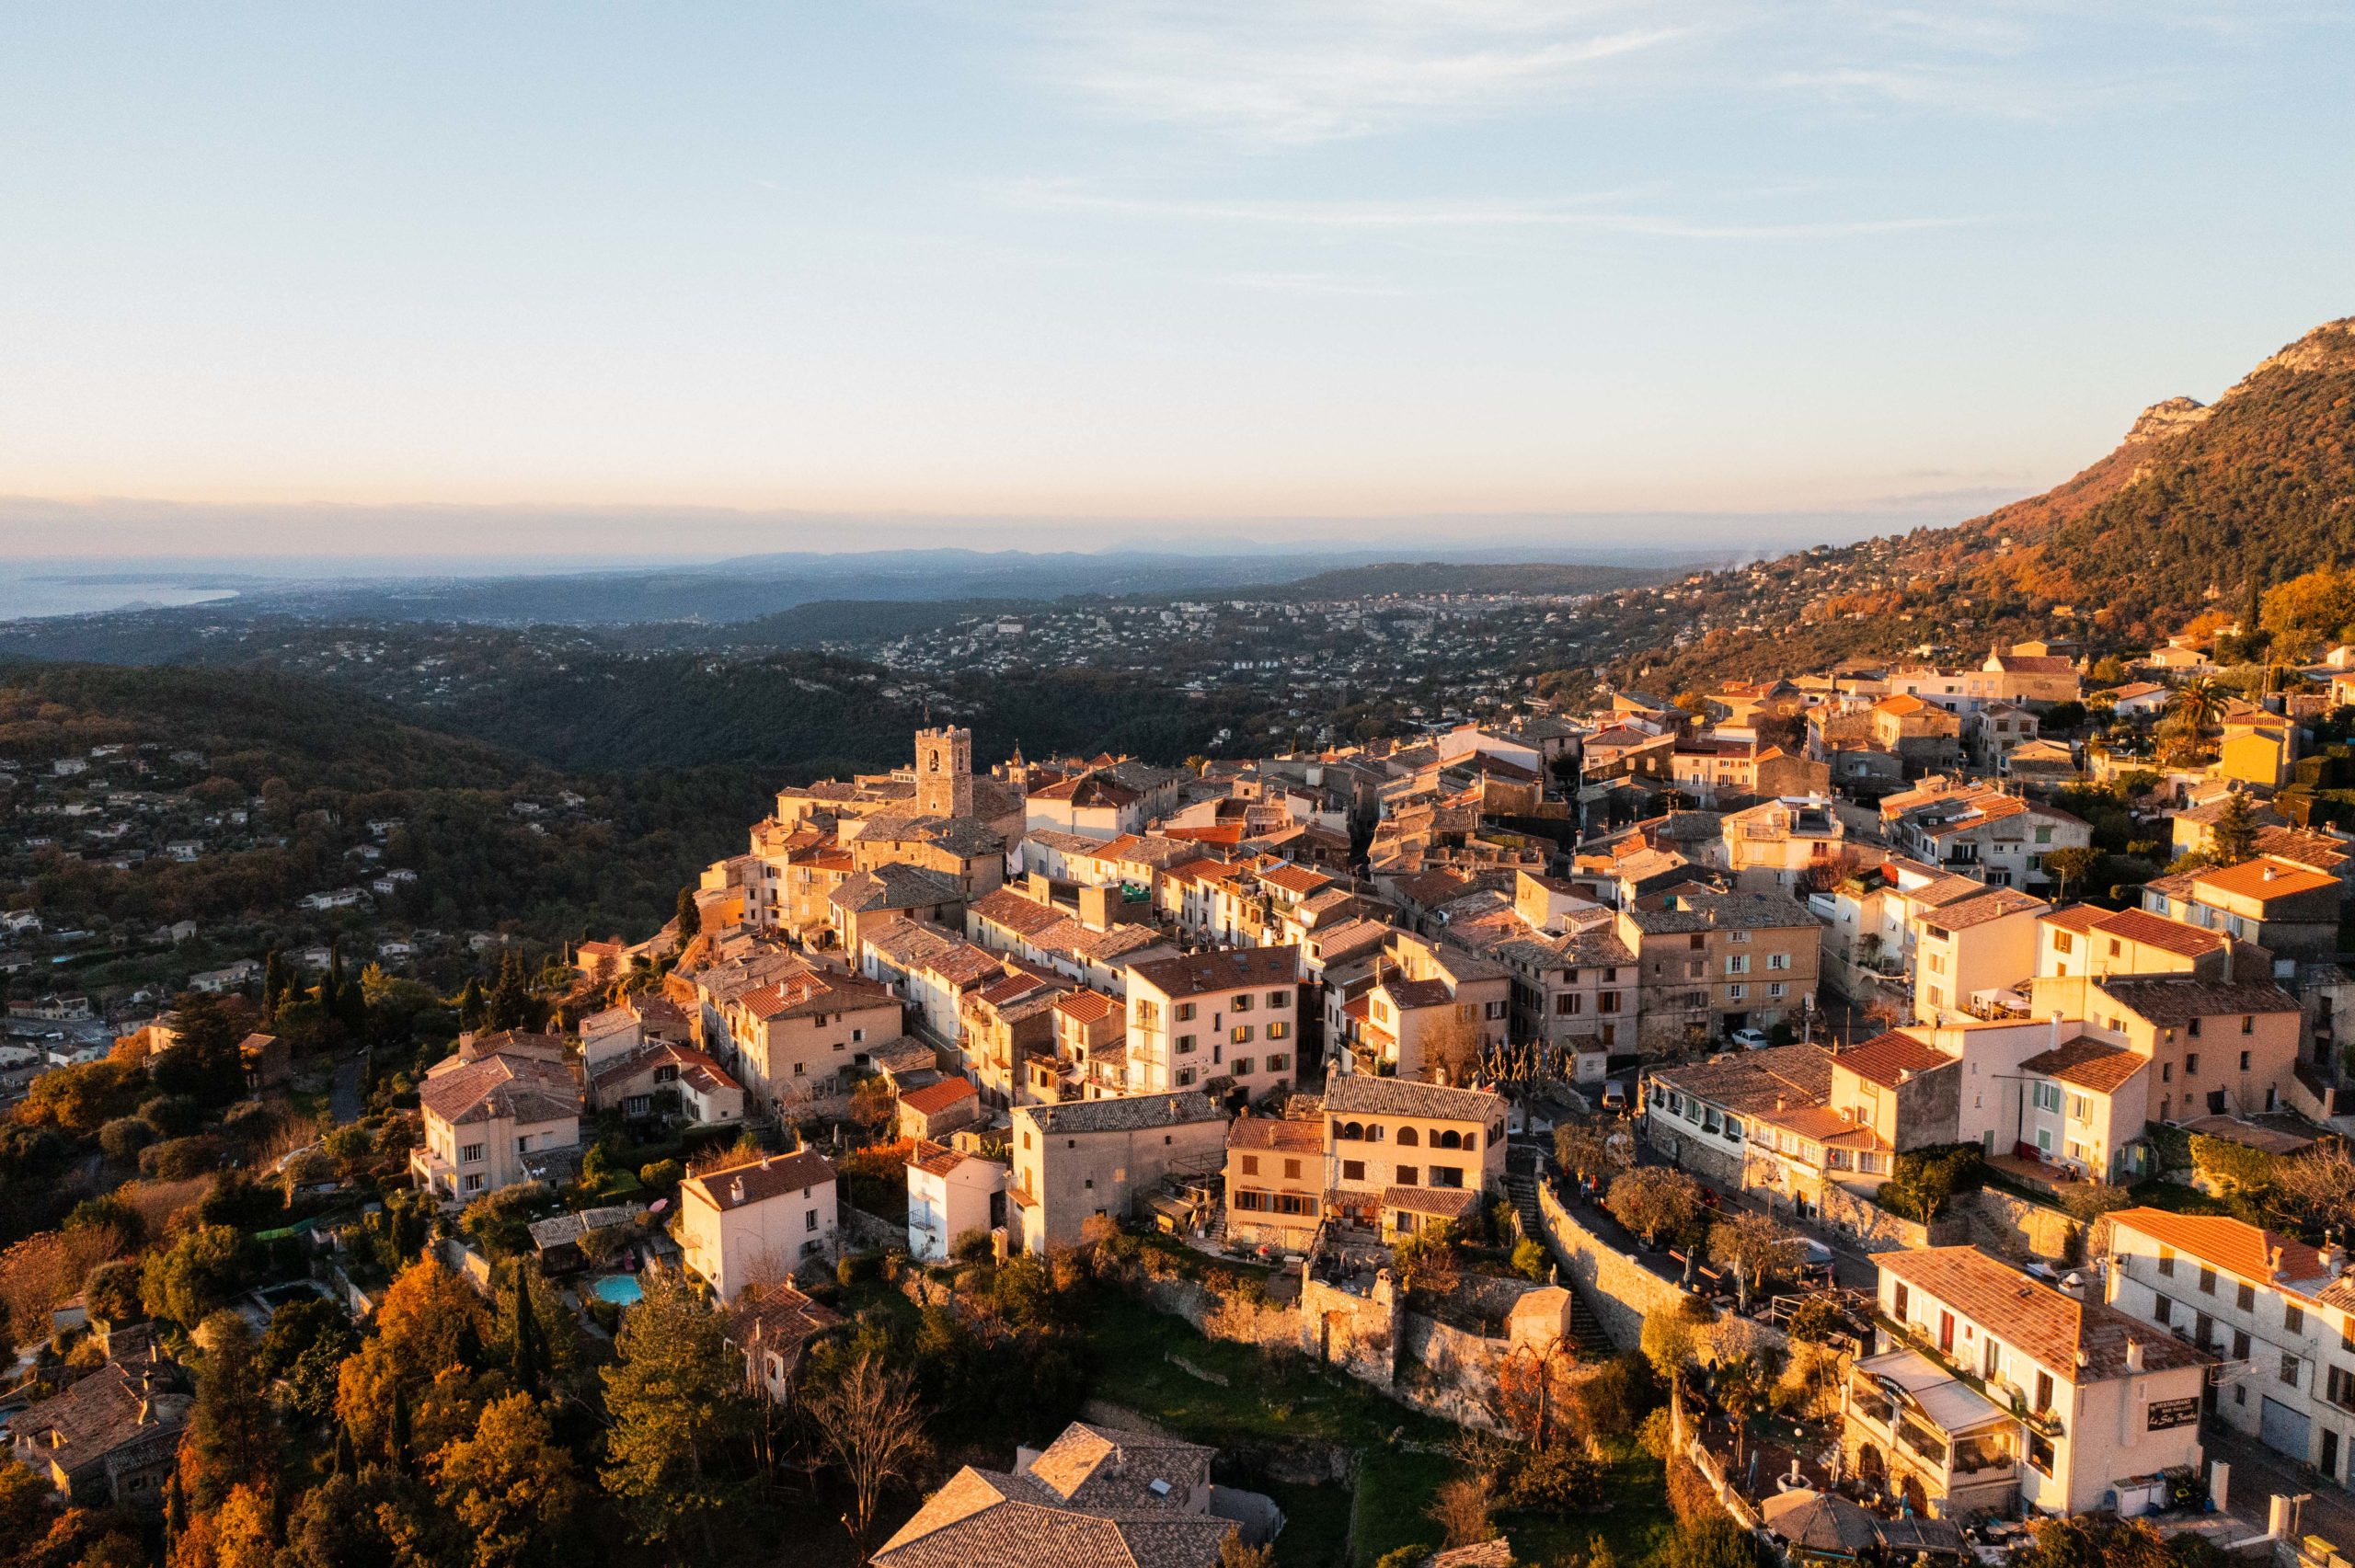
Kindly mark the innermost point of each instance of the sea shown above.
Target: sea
(22, 598)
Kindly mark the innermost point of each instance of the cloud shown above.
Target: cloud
(1323, 69)
(1276, 74)
(1594, 215)
(1311, 283)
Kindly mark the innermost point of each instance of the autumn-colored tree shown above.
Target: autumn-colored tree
(237, 1533)
(430, 1319)
(512, 1488)
(419, 1366)
(1465, 1508)
(1592, 1150)
(1752, 1246)
(1235, 1553)
(672, 1395)
(869, 1419)
(1654, 1201)
(28, 1506)
(79, 1099)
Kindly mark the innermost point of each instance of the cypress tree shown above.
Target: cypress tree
(525, 1342)
(399, 1441)
(274, 983)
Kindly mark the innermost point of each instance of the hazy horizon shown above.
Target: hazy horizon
(1086, 270)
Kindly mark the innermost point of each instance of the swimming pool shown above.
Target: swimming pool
(621, 1289)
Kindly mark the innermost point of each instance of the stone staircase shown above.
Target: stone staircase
(1586, 1329)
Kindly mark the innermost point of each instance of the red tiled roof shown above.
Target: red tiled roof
(1882, 1058)
(2232, 1245)
(2051, 1328)
(935, 1098)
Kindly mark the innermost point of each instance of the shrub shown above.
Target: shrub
(111, 1292)
(179, 1158)
(1689, 1496)
(1712, 1543)
(172, 1116)
(1530, 1262)
(1560, 1480)
(662, 1173)
(124, 1137)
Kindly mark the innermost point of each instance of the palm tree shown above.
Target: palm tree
(2199, 701)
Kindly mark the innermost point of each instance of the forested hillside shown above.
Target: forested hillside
(498, 839)
(2244, 495)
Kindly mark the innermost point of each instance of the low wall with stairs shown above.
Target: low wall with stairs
(1620, 1291)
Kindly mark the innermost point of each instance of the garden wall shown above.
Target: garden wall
(1878, 1231)
(2021, 1228)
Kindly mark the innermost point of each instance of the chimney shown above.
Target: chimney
(736, 1190)
(2133, 1353)
(2273, 1260)
(2270, 873)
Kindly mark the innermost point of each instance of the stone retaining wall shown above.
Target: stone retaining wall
(1876, 1229)
(1621, 1291)
(2021, 1228)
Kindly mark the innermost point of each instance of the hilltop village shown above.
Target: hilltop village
(1845, 1117)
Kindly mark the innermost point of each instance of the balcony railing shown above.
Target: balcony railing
(2002, 1395)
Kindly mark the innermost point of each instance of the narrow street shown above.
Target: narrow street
(2259, 1472)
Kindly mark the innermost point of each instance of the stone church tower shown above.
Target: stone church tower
(945, 772)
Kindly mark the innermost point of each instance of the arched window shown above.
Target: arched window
(1407, 1138)
(1447, 1137)
(1350, 1132)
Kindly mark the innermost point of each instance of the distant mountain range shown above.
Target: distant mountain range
(747, 589)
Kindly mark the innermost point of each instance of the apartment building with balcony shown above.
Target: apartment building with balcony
(1779, 846)
(1232, 1016)
(1970, 953)
(1711, 963)
(1387, 1141)
(1275, 1181)
(1424, 1002)
(2278, 1314)
(489, 1108)
(1989, 1389)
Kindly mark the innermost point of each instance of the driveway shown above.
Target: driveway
(344, 1102)
(2259, 1472)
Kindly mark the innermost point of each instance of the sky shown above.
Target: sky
(697, 279)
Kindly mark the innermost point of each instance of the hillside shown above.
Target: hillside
(276, 779)
(2259, 485)
(251, 726)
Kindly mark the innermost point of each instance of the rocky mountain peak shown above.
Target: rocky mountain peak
(2171, 417)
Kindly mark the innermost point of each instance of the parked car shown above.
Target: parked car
(1750, 1039)
(1614, 1096)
